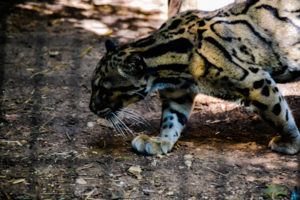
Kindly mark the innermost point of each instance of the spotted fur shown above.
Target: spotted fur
(236, 53)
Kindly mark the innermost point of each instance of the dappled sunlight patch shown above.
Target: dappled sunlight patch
(38, 8)
(146, 5)
(79, 4)
(273, 161)
(117, 18)
(253, 146)
(214, 4)
(92, 25)
(215, 103)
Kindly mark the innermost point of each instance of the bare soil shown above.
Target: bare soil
(53, 147)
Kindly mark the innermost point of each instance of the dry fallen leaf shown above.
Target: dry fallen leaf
(63, 65)
(22, 180)
(86, 51)
(53, 53)
(43, 72)
(12, 117)
(109, 32)
(30, 69)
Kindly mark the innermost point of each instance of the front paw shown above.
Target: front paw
(286, 145)
(151, 145)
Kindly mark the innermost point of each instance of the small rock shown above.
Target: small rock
(147, 192)
(120, 184)
(188, 157)
(188, 163)
(90, 124)
(154, 163)
(81, 181)
(188, 160)
(160, 191)
(135, 169)
(118, 194)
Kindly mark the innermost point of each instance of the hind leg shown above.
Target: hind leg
(268, 102)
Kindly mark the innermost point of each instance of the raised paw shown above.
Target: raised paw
(286, 146)
(151, 145)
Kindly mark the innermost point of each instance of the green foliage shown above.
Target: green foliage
(274, 192)
(126, 158)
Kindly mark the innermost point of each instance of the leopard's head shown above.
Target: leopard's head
(117, 81)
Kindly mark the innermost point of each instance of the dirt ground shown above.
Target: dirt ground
(53, 147)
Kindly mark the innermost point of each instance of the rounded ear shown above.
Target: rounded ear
(134, 67)
(109, 45)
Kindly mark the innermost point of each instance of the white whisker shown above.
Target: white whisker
(116, 126)
(140, 94)
(130, 117)
(126, 128)
(133, 114)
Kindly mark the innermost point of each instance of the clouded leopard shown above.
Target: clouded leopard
(236, 53)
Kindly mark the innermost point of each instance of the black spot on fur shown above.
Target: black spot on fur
(176, 134)
(268, 81)
(258, 84)
(174, 24)
(164, 126)
(182, 119)
(260, 105)
(171, 67)
(190, 27)
(144, 42)
(224, 78)
(246, 102)
(201, 23)
(200, 37)
(277, 109)
(191, 18)
(171, 125)
(163, 25)
(180, 45)
(180, 31)
(265, 91)
(244, 91)
(253, 69)
(287, 115)
(200, 32)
